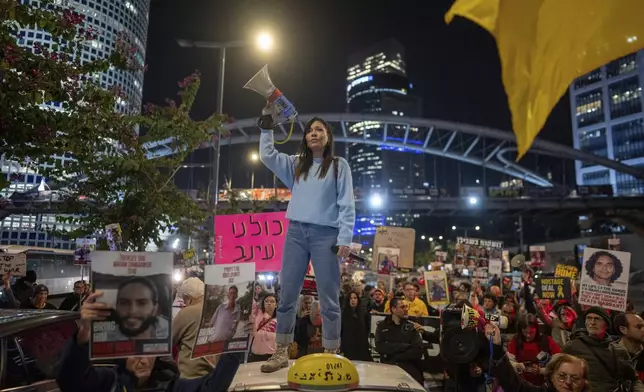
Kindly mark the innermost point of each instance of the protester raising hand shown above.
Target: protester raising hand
(91, 311)
(494, 333)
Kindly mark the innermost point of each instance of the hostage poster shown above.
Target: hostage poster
(604, 278)
(474, 254)
(137, 286)
(226, 324)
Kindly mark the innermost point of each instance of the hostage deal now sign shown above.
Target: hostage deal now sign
(248, 238)
(553, 288)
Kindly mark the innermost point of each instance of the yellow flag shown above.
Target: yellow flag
(545, 44)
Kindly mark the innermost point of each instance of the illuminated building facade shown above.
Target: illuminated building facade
(608, 120)
(108, 18)
(377, 83)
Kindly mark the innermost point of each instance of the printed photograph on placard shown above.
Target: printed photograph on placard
(437, 287)
(138, 288)
(84, 249)
(388, 260)
(226, 324)
(604, 278)
(537, 256)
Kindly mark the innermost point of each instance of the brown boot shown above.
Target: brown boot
(277, 361)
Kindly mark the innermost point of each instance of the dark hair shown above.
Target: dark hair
(492, 297)
(620, 320)
(592, 260)
(234, 288)
(348, 311)
(393, 303)
(524, 321)
(263, 307)
(145, 282)
(305, 155)
(410, 284)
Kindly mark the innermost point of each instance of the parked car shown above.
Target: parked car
(374, 377)
(31, 344)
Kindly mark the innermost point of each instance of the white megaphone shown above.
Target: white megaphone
(261, 83)
(517, 261)
(469, 317)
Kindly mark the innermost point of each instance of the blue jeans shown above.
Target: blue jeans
(304, 242)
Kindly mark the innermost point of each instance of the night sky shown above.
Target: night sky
(455, 69)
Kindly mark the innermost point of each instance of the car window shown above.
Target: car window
(33, 355)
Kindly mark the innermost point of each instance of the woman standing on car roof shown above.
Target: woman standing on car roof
(321, 217)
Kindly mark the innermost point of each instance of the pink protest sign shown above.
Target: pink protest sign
(246, 238)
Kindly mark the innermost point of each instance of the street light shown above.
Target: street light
(477, 228)
(376, 200)
(422, 237)
(431, 239)
(440, 237)
(264, 42)
(253, 158)
(453, 227)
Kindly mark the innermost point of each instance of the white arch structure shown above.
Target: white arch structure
(468, 143)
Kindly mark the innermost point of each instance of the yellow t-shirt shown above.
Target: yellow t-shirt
(416, 308)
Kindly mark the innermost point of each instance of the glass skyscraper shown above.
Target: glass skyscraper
(108, 18)
(608, 120)
(377, 82)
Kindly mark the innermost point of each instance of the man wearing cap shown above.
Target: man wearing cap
(23, 289)
(39, 300)
(611, 369)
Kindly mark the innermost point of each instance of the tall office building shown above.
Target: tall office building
(377, 83)
(608, 120)
(108, 18)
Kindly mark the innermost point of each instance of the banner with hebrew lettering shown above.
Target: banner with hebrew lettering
(251, 238)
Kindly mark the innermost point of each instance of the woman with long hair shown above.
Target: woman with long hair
(309, 332)
(321, 217)
(264, 327)
(355, 342)
(525, 347)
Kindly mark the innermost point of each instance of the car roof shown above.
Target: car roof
(13, 321)
(373, 377)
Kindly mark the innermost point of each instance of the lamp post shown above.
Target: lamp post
(264, 42)
(465, 229)
(253, 158)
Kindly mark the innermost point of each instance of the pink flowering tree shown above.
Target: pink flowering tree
(110, 178)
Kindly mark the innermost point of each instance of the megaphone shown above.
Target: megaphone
(471, 319)
(517, 261)
(261, 83)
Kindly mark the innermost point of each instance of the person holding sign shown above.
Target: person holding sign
(604, 268)
(321, 217)
(135, 373)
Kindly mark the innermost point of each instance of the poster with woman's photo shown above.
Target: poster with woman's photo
(604, 278)
(138, 287)
(226, 324)
(537, 256)
(387, 260)
(437, 288)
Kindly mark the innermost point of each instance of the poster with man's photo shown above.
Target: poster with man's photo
(138, 287)
(387, 260)
(604, 278)
(226, 324)
(84, 249)
(474, 254)
(437, 288)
